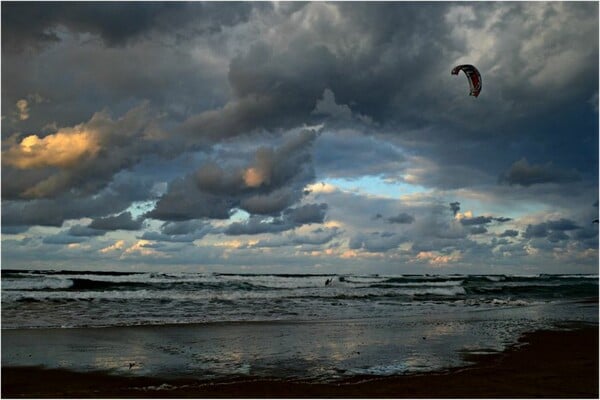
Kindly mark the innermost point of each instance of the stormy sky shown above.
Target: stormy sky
(300, 137)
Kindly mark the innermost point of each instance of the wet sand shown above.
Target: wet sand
(543, 364)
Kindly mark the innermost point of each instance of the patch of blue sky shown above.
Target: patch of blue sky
(138, 208)
(376, 186)
(239, 216)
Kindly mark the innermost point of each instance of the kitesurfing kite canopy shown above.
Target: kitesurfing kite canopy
(473, 76)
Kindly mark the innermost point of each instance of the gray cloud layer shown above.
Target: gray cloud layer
(190, 112)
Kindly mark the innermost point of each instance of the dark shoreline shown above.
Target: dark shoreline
(543, 364)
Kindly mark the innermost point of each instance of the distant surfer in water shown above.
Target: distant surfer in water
(327, 282)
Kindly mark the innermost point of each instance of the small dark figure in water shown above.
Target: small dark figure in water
(327, 282)
(341, 279)
(131, 365)
(595, 221)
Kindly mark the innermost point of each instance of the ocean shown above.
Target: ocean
(320, 327)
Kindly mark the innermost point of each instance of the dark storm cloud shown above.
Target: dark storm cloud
(181, 238)
(478, 230)
(80, 160)
(184, 227)
(270, 203)
(256, 225)
(179, 231)
(586, 233)
(509, 233)
(557, 236)
(306, 214)
(482, 220)
(476, 220)
(455, 207)
(14, 229)
(123, 221)
(184, 201)
(35, 24)
(271, 90)
(290, 218)
(53, 212)
(522, 173)
(536, 231)
(562, 224)
(269, 80)
(349, 153)
(553, 230)
(364, 54)
(402, 218)
(273, 181)
(224, 78)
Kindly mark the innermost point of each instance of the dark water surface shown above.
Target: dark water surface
(293, 326)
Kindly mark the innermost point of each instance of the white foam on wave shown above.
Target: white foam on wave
(579, 276)
(426, 284)
(35, 283)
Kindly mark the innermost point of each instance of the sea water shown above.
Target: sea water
(320, 327)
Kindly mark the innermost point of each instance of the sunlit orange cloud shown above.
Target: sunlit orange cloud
(141, 247)
(119, 245)
(63, 149)
(236, 244)
(321, 187)
(436, 259)
(254, 177)
(466, 214)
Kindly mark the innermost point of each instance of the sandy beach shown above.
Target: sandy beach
(543, 364)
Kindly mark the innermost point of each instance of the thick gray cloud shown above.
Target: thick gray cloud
(78, 160)
(183, 228)
(118, 196)
(291, 218)
(123, 221)
(181, 238)
(179, 231)
(184, 201)
(402, 218)
(14, 229)
(257, 225)
(455, 207)
(35, 25)
(482, 220)
(522, 173)
(478, 230)
(306, 214)
(562, 224)
(476, 220)
(509, 233)
(554, 230)
(273, 181)
(183, 112)
(350, 153)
